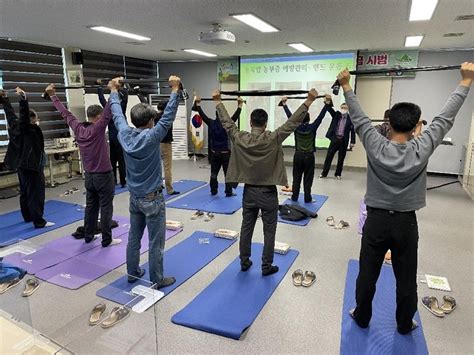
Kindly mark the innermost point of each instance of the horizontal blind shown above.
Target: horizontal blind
(142, 69)
(32, 67)
(100, 66)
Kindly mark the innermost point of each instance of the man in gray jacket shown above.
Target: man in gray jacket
(396, 188)
(257, 161)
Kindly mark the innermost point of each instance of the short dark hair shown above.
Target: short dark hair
(259, 117)
(141, 114)
(386, 113)
(94, 110)
(162, 105)
(404, 116)
(306, 118)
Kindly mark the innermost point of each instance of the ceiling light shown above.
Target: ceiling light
(301, 47)
(119, 33)
(195, 51)
(422, 10)
(413, 41)
(255, 22)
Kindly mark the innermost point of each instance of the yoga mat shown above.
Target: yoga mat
(61, 249)
(312, 206)
(184, 186)
(13, 229)
(202, 200)
(181, 261)
(231, 303)
(381, 337)
(78, 271)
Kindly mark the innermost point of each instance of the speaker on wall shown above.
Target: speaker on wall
(77, 58)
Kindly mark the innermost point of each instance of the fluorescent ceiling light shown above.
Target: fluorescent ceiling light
(422, 10)
(255, 22)
(119, 33)
(413, 41)
(195, 51)
(301, 47)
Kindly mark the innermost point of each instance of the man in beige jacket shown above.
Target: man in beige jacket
(257, 161)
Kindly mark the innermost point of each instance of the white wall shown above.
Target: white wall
(430, 91)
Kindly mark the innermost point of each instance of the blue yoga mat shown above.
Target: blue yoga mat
(381, 337)
(230, 304)
(312, 206)
(182, 186)
(181, 261)
(201, 199)
(14, 229)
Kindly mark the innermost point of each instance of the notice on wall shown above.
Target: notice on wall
(228, 70)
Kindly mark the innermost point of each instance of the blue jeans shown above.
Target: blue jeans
(150, 214)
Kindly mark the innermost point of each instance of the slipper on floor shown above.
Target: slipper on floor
(309, 279)
(431, 304)
(297, 277)
(342, 225)
(117, 315)
(30, 287)
(96, 314)
(197, 214)
(4, 287)
(448, 305)
(330, 221)
(209, 216)
(286, 189)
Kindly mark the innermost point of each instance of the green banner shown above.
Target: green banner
(388, 59)
(228, 70)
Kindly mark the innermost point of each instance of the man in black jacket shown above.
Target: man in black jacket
(338, 132)
(116, 152)
(25, 153)
(220, 147)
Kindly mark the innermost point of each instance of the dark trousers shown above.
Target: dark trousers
(218, 160)
(336, 145)
(397, 231)
(256, 198)
(100, 192)
(303, 165)
(116, 158)
(32, 194)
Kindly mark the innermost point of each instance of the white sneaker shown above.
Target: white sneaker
(49, 224)
(115, 242)
(338, 177)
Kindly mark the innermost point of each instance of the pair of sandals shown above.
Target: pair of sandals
(432, 305)
(305, 279)
(31, 286)
(330, 221)
(208, 216)
(117, 315)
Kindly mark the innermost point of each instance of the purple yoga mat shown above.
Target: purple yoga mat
(89, 266)
(72, 273)
(39, 260)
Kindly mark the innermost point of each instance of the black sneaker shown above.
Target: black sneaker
(174, 193)
(351, 313)
(134, 278)
(270, 271)
(294, 198)
(167, 281)
(414, 325)
(230, 195)
(213, 193)
(245, 265)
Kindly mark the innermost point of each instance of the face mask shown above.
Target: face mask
(37, 123)
(344, 111)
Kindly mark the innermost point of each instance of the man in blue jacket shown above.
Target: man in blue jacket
(141, 146)
(338, 133)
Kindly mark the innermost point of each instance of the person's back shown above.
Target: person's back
(257, 161)
(396, 188)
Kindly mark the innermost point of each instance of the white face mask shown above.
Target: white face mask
(344, 111)
(37, 123)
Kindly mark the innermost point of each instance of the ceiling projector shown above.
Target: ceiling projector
(217, 36)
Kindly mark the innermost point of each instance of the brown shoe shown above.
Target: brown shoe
(117, 315)
(96, 314)
(448, 305)
(431, 304)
